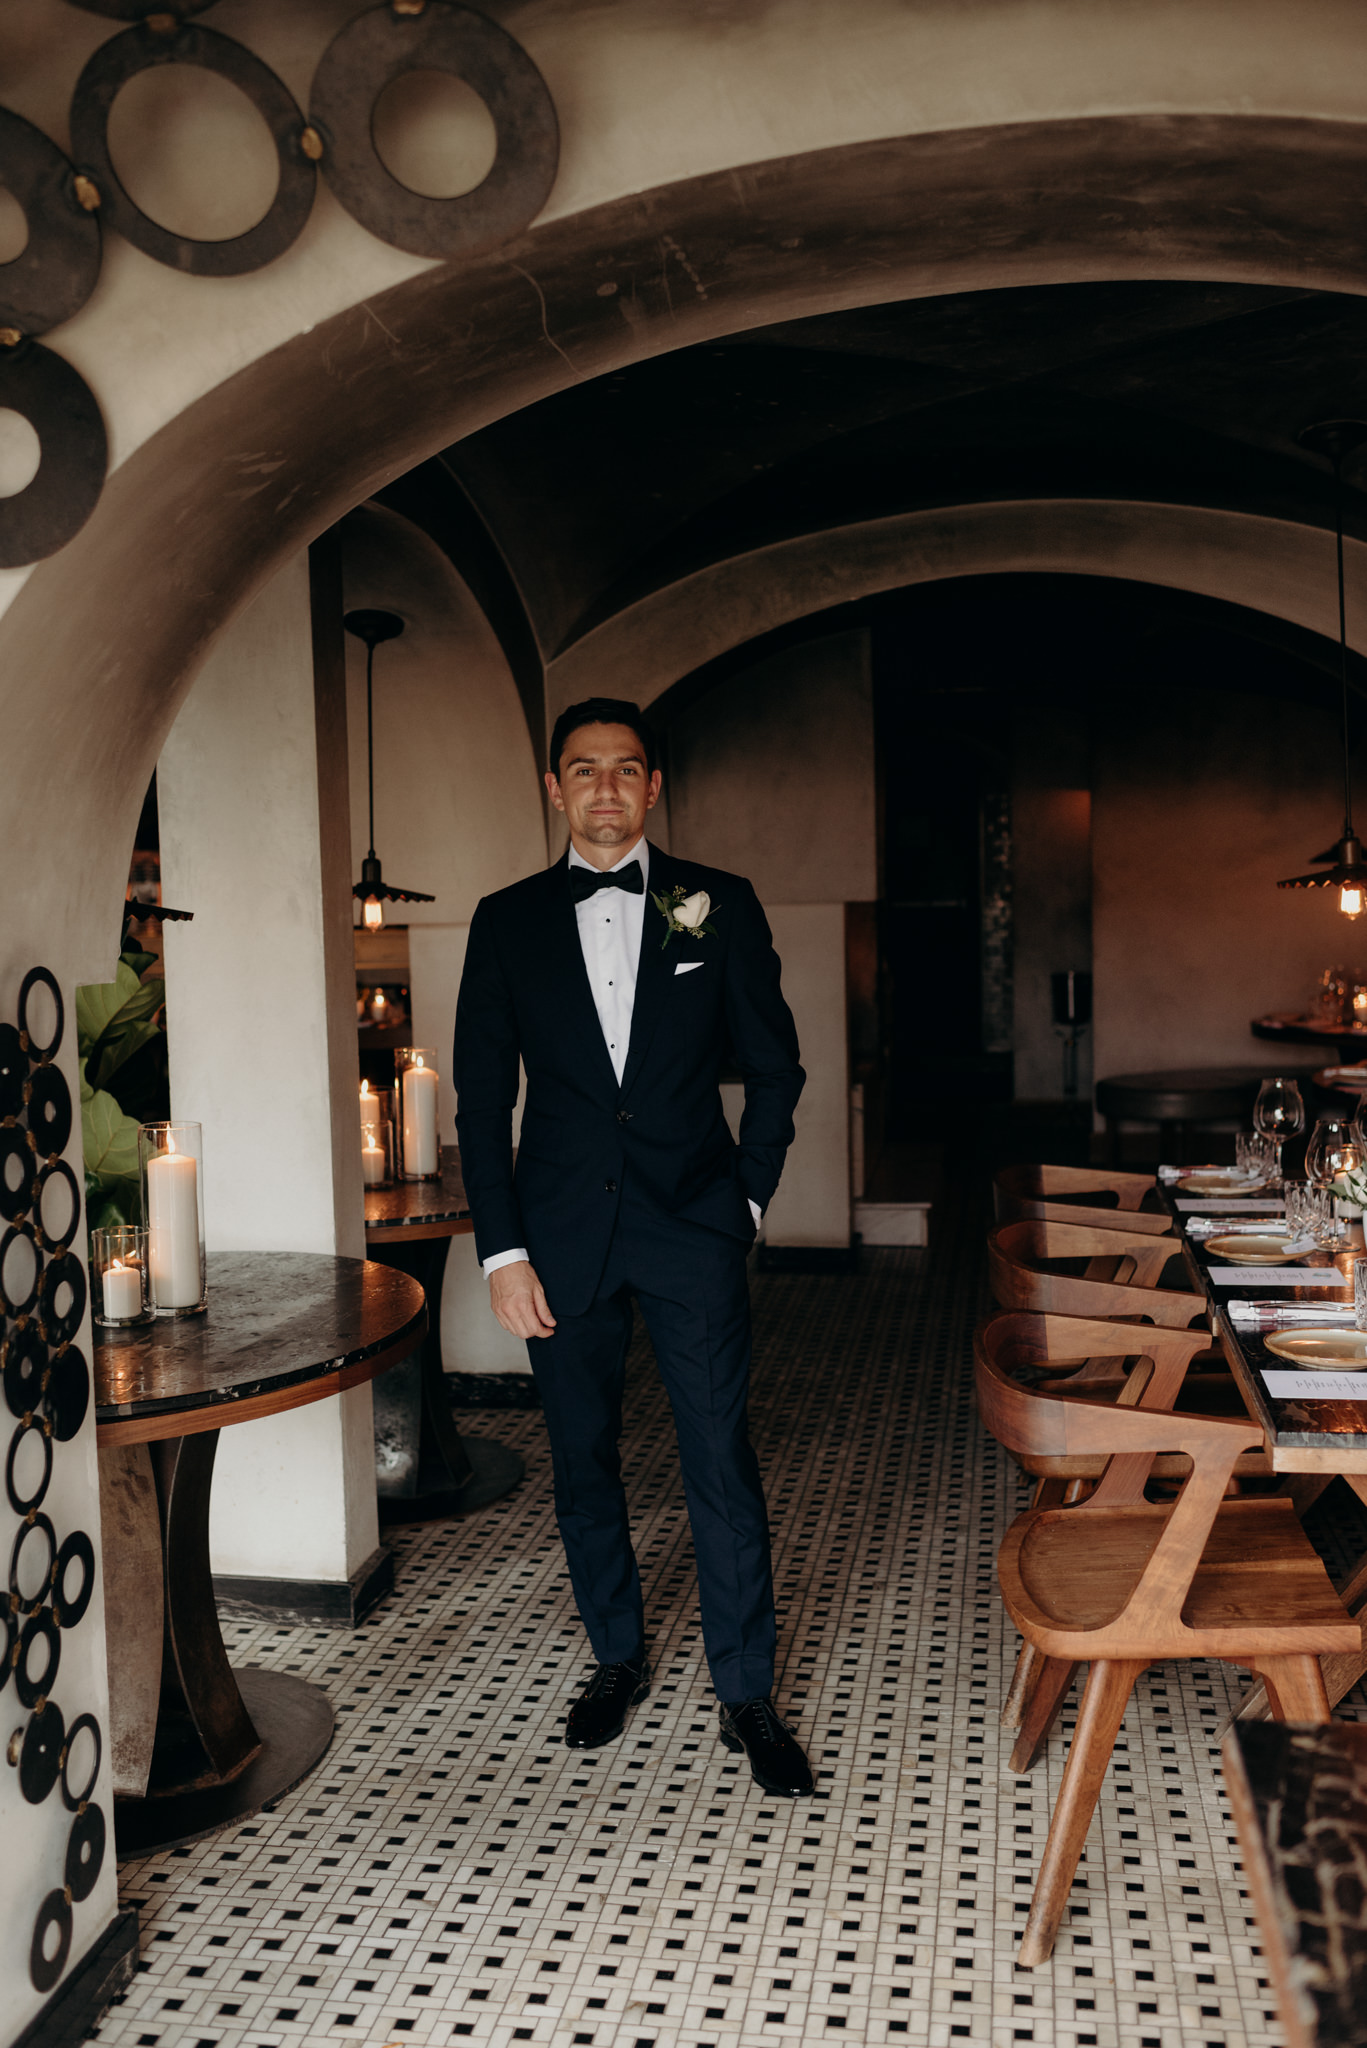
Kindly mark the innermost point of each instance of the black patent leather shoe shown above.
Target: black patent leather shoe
(777, 1762)
(600, 1713)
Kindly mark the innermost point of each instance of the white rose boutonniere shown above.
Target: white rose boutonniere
(684, 913)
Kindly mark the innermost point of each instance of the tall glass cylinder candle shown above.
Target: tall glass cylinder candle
(415, 1112)
(171, 1163)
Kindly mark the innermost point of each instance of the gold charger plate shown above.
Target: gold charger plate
(1220, 1180)
(1247, 1249)
(1332, 1350)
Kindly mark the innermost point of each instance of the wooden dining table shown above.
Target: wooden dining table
(1309, 1441)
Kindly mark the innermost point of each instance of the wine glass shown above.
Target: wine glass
(1279, 1113)
(1336, 1147)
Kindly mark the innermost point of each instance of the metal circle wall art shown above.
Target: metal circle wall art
(380, 46)
(141, 49)
(51, 1577)
(56, 271)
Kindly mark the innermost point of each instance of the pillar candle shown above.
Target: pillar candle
(420, 1120)
(122, 1291)
(173, 1230)
(372, 1161)
(370, 1113)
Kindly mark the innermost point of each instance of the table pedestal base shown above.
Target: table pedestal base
(294, 1722)
(425, 1468)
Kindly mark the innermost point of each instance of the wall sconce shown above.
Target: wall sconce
(372, 889)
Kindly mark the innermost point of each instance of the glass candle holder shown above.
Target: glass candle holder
(415, 1113)
(171, 1168)
(118, 1271)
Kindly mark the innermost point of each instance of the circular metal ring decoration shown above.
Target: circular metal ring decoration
(11, 1651)
(40, 1759)
(17, 1172)
(56, 271)
(13, 1071)
(41, 977)
(378, 47)
(85, 1852)
(40, 1628)
(76, 1550)
(84, 1724)
(32, 1604)
(19, 1284)
(25, 1505)
(49, 1110)
(54, 1917)
(140, 49)
(25, 1370)
(67, 1395)
(56, 1174)
(60, 407)
(61, 1324)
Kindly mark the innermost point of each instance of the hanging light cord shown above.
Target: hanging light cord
(370, 718)
(1343, 646)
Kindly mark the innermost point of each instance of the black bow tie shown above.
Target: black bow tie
(586, 882)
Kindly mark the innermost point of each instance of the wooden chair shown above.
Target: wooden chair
(1067, 1354)
(1122, 1268)
(1122, 1583)
(1076, 1194)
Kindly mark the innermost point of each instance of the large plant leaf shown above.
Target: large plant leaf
(114, 1019)
(110, 1142)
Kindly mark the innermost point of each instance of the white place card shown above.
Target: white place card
(1224, 1205)
(1276, 1276)
(1316, 1386)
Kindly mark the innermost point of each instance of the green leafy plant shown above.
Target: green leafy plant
(122, 1045)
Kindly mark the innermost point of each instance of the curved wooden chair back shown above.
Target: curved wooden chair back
(1121, 1583)
(1058, 1191)
(1119, 1280)
(1022, 1209)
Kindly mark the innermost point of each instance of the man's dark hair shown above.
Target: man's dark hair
(601, 711)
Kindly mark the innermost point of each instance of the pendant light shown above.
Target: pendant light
(372, 889)
(1342, 866)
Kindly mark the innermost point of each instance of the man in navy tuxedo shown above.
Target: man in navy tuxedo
(623, 980)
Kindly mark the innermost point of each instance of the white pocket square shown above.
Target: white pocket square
(687, 966)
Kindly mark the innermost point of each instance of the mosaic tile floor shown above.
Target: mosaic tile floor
(452, 1873)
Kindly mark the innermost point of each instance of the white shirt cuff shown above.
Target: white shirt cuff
(756, 1212)
(503, 1259)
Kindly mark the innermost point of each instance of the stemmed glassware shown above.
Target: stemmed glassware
(1336, 1147)
(1279, 1113)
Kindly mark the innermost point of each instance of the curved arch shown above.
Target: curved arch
(104, 640)
(1267, 565)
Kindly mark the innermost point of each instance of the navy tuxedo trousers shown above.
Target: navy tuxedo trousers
(690, 1283)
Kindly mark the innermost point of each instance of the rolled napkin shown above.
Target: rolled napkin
(1228, 1226)
(1269, 1315)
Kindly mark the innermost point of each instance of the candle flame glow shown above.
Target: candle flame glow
(365, 1087)
(170, 1142)
(418, 1061)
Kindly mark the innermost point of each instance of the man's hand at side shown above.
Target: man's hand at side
(519, 1301)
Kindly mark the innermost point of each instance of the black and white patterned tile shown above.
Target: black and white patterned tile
(452, 1873)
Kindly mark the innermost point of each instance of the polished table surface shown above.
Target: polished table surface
(416, 1205)
(281, 1328)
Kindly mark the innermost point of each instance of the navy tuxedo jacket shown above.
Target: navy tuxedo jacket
(525, 995)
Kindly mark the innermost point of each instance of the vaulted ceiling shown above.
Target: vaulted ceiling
(1189, 393)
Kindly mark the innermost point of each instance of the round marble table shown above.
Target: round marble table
(197, 1745)
(424, 1466)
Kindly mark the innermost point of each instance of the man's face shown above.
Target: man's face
(603, 787)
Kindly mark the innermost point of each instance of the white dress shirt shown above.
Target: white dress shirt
(610, 926)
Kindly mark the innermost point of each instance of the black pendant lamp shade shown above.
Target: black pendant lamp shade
(372, 889)
(1341, 866)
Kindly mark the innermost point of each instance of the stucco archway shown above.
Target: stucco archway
(111, 632)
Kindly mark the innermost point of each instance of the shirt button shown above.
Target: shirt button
(624, 1116)
(611, 1186)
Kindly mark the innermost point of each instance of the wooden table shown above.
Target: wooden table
(1284, 1029)
(1310, 1442)
(195, 1744)
(424, 1466)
